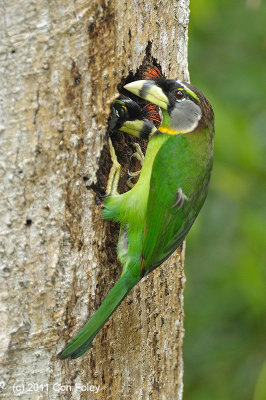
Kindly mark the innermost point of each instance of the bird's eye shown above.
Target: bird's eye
(179, 94)
(122, 111)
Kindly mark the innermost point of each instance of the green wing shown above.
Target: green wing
(178, 188)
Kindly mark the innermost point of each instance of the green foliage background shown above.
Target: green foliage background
(225, 301)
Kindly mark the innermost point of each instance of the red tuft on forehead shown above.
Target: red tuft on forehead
(153, 73)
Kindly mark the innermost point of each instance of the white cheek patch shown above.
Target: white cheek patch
(185, 116)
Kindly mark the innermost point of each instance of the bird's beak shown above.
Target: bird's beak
(132, 127)
(139, 128)
(149, 91)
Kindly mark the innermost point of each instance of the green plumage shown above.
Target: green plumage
(129, 209)
(187, 166)
(157, 213)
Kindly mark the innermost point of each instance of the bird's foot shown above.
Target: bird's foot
(114, 174)
(140, 157)
(138, 153)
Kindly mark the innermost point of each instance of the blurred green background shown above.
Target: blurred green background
(225, 303)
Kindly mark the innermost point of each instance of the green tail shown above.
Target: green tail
(83, 340)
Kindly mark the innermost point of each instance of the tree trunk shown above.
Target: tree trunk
(61, 62)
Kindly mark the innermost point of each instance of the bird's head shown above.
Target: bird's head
(127, 116)
(185, 108)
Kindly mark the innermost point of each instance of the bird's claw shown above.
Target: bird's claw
(138, 153)
(140, 157)
(131, 175)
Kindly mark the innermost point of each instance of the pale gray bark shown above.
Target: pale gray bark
(60, 65)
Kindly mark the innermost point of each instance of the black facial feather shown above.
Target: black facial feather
(169, 86)
(128, 111)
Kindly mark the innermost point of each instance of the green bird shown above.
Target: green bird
(158, 212)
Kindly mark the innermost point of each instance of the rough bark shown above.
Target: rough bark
(61, 62)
